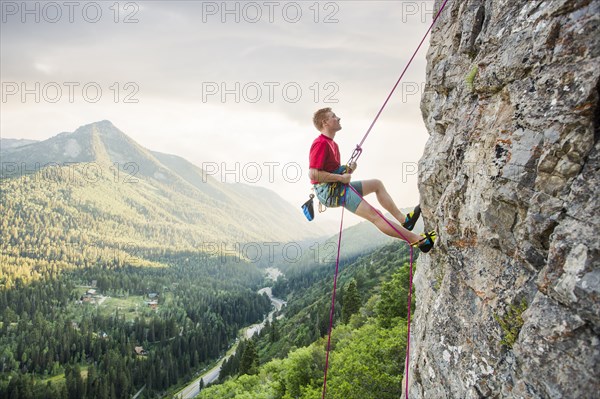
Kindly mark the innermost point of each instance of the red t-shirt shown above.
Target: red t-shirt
(324, 155)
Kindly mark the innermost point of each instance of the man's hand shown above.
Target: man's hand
(345, 178)
(352, 167)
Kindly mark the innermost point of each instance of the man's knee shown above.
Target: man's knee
(372, 185)
(379, 187)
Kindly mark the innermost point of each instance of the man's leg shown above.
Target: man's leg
(386, 201)
(367, 212)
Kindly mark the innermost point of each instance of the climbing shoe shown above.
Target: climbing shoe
(411, 218)
(425, 244)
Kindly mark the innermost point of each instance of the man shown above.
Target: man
(331, 181)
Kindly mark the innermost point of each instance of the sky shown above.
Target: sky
(229, 85)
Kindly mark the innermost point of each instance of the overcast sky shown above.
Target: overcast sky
(225, 85)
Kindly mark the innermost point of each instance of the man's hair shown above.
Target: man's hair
(319, 117)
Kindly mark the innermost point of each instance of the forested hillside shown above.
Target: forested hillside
(368, 344)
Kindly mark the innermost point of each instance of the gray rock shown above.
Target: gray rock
(510, 180)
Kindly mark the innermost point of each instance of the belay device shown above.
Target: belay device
(308, 208)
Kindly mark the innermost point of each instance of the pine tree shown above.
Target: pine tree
(249, 361)
(274, 332)
(74, 382)
(351, 302)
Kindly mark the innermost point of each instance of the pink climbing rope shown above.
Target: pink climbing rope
(355, 155)
(337, 263)
(358, 150)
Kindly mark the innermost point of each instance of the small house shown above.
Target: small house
(140, 351)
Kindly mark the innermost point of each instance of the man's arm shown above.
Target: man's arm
(326, 177)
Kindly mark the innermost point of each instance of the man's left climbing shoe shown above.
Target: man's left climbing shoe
(411, 218)
(426, 243)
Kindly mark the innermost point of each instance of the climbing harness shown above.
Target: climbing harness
(330, 195)
(355, 155)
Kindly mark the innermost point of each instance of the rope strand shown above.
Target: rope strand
(337, 263)
(358, 150)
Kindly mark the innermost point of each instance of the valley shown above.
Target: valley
(126, 272)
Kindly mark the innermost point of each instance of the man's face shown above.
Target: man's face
(332, 123)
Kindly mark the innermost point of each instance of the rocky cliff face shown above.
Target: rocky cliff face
(508, 302)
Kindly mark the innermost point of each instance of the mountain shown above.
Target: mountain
(98, 187)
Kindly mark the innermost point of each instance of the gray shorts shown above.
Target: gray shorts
(352, 200)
